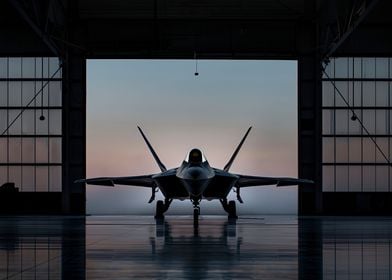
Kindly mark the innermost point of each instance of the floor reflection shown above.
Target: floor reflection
(173, 250)
(269, 247)
(357, 249)
(42, 248)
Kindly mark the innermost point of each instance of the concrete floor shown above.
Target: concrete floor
(134, 247)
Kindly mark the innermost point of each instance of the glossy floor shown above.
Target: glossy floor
(134, 247)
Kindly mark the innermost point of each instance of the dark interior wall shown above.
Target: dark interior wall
(16, 36)
(368, 39)
(301, 29)
(371, 38)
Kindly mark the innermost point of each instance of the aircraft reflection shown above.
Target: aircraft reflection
(129, 247)
(173, 250)
(196, 252)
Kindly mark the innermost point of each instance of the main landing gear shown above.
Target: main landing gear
(162, 207)
(230, 208)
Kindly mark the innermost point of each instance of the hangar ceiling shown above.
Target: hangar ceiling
(177, 29)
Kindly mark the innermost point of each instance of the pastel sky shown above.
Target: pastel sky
(180, 111)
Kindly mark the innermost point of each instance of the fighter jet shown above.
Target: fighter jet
(195, 180)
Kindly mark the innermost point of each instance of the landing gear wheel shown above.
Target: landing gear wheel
(232, 210)
(196, 213)
(159, 210)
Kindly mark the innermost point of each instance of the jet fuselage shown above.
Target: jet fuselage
(195, 177)
(195, 180)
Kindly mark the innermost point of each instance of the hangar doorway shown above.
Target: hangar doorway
(179, 111)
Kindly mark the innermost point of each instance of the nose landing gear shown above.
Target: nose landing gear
(196, 212)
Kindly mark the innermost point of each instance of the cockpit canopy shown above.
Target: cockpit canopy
(195, 156)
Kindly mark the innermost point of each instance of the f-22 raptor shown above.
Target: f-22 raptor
(195, 180)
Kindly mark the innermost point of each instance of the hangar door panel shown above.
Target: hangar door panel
(352, 161)
(30, 123)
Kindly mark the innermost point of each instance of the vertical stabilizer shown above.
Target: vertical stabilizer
(154, 154)
(230, 162)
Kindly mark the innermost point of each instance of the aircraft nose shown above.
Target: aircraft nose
(195, 179)
(195, 173)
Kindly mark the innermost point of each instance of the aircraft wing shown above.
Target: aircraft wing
(250, 181)
(141, 181)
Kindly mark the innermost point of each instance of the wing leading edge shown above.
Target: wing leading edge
(250, 181)
(140, 181)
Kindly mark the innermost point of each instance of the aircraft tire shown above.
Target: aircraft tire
(232, 210)
(159, 210)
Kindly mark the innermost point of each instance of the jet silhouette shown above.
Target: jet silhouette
(195, 180)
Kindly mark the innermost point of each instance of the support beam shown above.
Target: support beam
(45, 38)
(309, 135)
(74, 133)
(351, 27)
(309, 120)
(74, 123)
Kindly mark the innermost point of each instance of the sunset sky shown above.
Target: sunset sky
(179, 111)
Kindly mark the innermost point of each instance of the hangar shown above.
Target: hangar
(344, 86)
